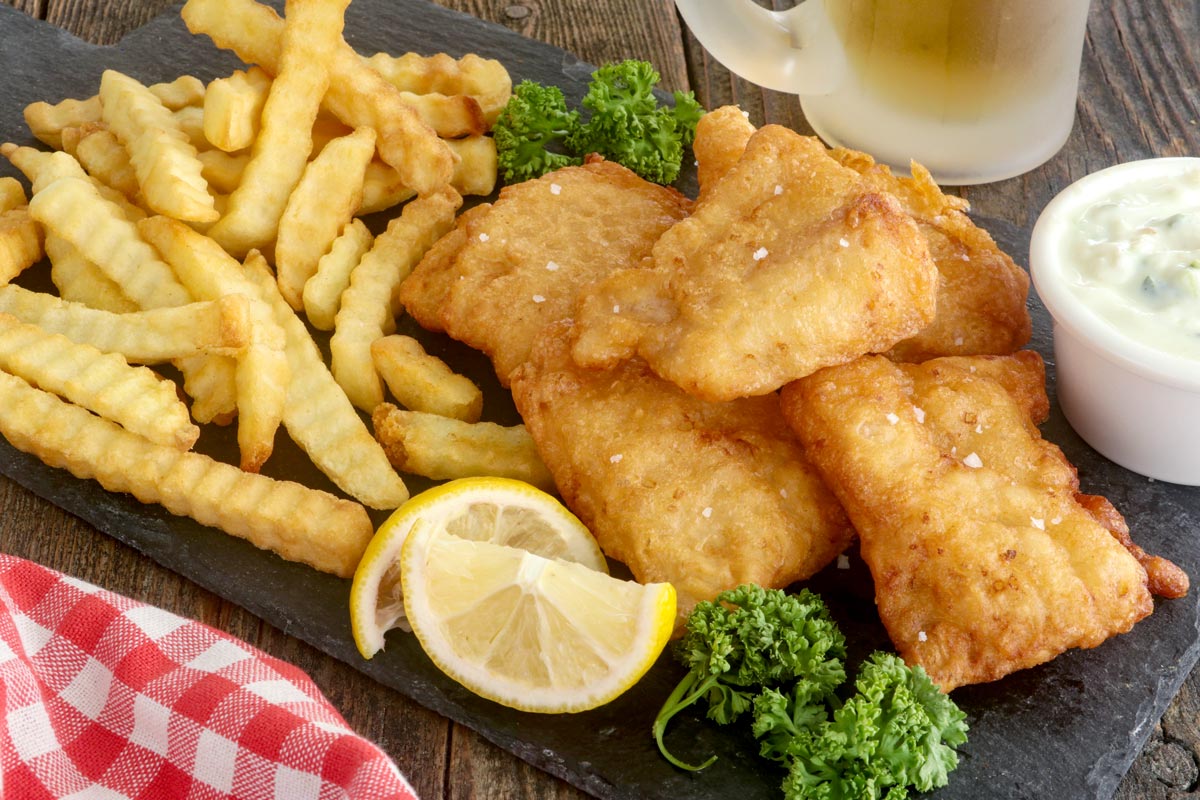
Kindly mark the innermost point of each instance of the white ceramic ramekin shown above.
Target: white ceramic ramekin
(1137, 405)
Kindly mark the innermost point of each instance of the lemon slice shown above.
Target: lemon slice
(498, 510)
(529, 632)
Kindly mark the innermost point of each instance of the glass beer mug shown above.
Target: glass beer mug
(975, 90)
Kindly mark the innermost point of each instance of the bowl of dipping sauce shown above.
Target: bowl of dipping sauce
(1115, 258)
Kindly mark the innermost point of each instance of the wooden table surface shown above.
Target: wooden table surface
(1140, 97)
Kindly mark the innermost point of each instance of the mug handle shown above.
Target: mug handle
(795, 51)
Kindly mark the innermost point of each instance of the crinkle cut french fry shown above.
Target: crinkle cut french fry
(209, 379)
(326, 198)
(12, 194)
(449, 116)
(47, 121)
(80, 281)
(443, 448)
(232, 107)
(294, 521)
(323, 291)
(20, 243)
(223, 171)
(73, 209)
(474, 174)
(426, 74)
(103, 156)
(368, 305)
(383, 188)
(476, 170)
(358, 95)
(71, 136)
(484, 79)
(219, 326)
(422, 382)
(326, 128)
(320, 418)
(183, 92)
(134, 397)
(211, 382)
(191, 122)
(262, 371)
(42, 169)
(168, 171)
(309, 41)
(252, 30)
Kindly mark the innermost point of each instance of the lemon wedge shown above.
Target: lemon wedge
(530, 632)
(497, 510)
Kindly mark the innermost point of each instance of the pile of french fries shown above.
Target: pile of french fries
(199, 226)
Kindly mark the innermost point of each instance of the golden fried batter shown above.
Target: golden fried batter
(981, 291)
(789, 264)
(424, 290)
(523, 261)
(704, 495)
(984, 560)
(1166, 578)
(1022, 374)
(721, 137)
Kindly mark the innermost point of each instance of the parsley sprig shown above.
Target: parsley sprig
(782, 656)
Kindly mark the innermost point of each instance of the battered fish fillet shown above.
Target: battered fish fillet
(981, 291)
(791, 263)
(704, 495)
(985, 558)
(721, 137)
(424, 290)
(520, 264)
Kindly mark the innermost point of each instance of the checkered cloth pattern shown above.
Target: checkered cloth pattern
(106, 698)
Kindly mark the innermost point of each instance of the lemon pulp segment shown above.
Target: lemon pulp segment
(527, 631)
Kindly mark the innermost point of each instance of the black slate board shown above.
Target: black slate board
(1068, 729)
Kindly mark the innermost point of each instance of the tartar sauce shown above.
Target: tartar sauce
(1133, 257)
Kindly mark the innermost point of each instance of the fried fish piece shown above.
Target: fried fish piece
(1166, 578)
(981, 290)
(790, 263)
(985, 559)
(704, 495)
(1022, 374)
(522, 263)
(721, 137)
(425, 289)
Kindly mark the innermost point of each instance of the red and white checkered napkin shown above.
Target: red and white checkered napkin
(107, 698)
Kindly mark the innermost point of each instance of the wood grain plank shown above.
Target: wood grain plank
(596, 32)
(478, 770)
(101, 21)
(34, 8)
